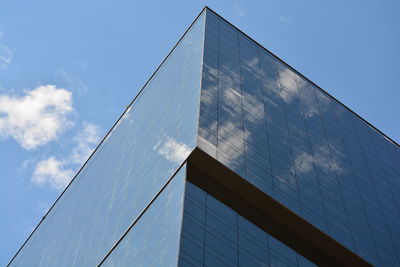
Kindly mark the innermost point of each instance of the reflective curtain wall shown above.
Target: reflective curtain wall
(220, 91)
(297, 144)
(154, 238)
(146, 146)
(215, 235)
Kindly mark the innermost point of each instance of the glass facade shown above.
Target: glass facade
(139, 155)
(296, 143)
(215, 235)
(218, 90)
(154, 238)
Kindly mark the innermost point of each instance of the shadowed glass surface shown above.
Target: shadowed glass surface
(154, 136)
(215, 235)
(297, 144)
(154, 239)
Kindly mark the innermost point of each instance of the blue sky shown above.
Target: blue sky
(69, 68)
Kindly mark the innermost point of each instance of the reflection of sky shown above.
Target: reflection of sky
(235, 135)
(110, 70)
(286, 79)
(315, 150)
(125, 172)
(154, 239)
(173, 150)
(222, 237)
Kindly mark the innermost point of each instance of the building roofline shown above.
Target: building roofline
(297, 72)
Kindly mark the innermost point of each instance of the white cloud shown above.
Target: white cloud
(174, 151)
(85, 143)
(6, 54)
(53, 172)
(36, 118)
(57, 173)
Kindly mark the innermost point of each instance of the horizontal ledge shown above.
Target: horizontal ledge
(261, 209)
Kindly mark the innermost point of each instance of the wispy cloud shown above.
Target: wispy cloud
(283, 18)
(73, 82)
(6, 54)
(85, 142)
(238, 8)
(173, 150)
(36, 118)
(57, 173)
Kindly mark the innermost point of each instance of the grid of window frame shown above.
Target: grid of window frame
(294, 142)
(215, 235)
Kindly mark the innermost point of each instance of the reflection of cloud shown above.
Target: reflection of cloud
(5, 54)
(234, 136)
(228, 76)
(301, 82)
(252, 63)
(303, 162)
(36, 118)
(58, 172)
(325, 159)
(324, 101)
(231, 145)
(255, 106)
(310, 111)
(307, 96)
(286, 181)
(174, 151)
(286, 79)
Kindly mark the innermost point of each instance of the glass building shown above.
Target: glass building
(228, 157)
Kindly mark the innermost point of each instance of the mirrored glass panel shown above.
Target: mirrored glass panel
(154, 238)
(215, 235)
(153, 137)
(296, 143)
